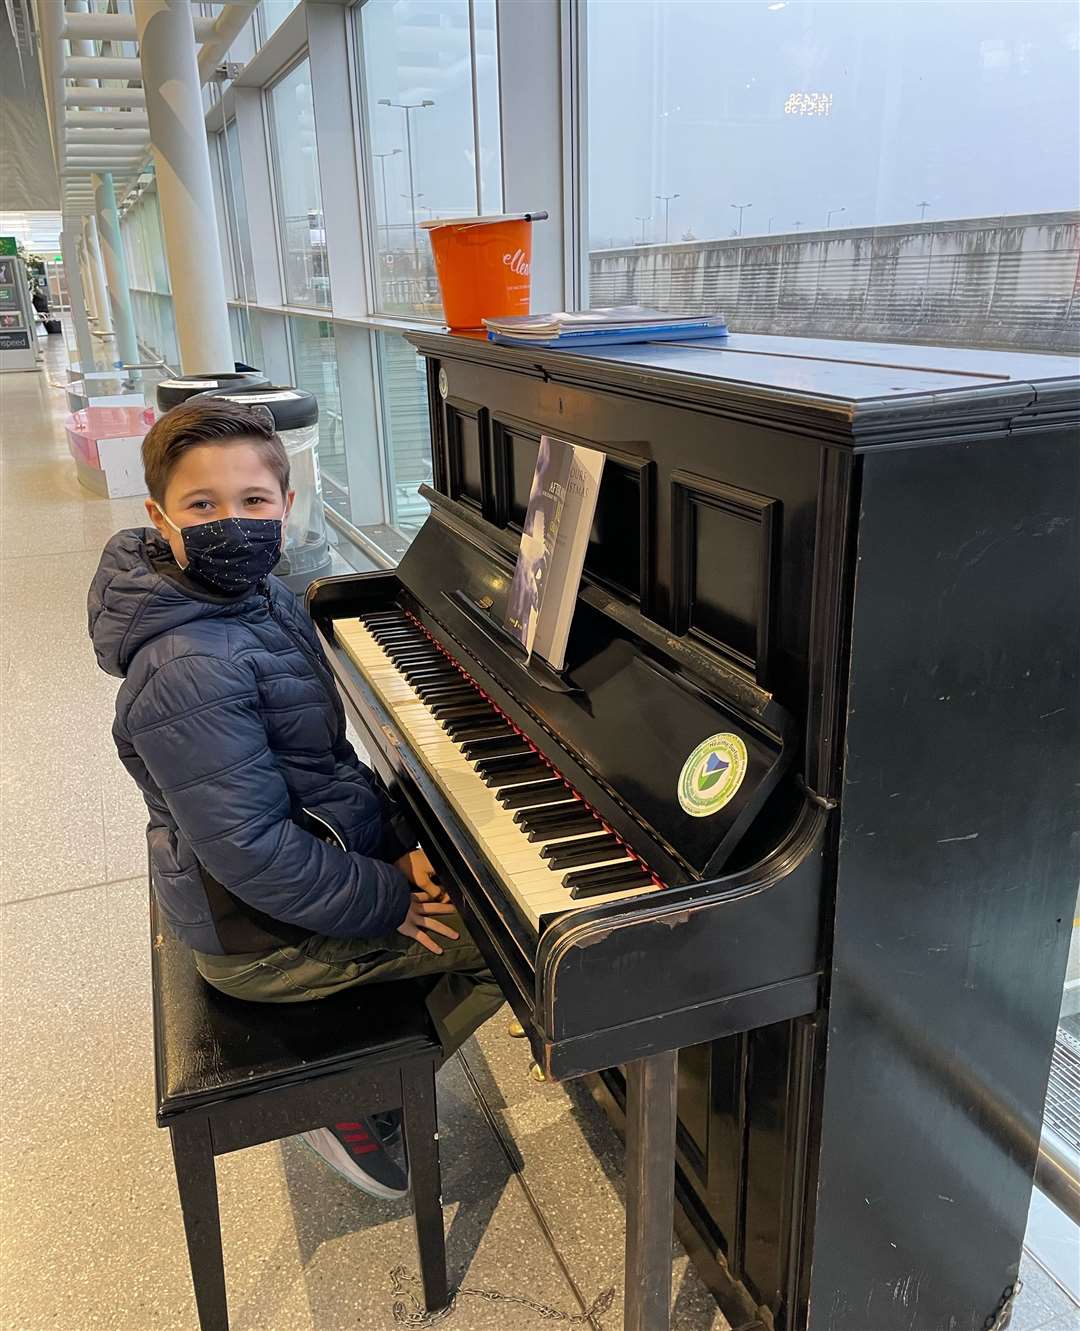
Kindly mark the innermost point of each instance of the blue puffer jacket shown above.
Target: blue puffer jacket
(229, 721)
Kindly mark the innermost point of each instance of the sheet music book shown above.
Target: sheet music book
(555, 536)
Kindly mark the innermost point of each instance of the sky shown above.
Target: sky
(872, 107)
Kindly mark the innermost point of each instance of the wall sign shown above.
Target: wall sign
(12, 341)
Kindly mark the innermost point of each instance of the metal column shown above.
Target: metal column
(112, 251)
(182, 161)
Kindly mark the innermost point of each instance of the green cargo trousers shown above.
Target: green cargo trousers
(462, 993)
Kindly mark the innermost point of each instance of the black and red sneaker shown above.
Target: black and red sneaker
(354, 1150)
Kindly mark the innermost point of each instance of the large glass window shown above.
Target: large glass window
(432, 145)
(315, 370)
(296, 185)
(272, 14)
(880, 170)
(406, 432)
(236, 212)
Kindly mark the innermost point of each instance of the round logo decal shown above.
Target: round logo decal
(712, 775)
(444, 383)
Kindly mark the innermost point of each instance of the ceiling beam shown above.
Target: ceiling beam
(102, 67)
(105, 97)
(107, 120)
(118, 27)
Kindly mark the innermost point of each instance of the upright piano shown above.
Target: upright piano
(845, 576)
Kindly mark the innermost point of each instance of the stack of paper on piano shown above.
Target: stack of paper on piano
(620, 323)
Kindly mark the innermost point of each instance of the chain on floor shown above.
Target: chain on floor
(405, 1289)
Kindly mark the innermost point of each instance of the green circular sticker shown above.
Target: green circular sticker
(712, 775)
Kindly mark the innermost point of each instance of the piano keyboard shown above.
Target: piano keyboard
(546, 845)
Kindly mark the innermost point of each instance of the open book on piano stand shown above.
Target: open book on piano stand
(781, 817)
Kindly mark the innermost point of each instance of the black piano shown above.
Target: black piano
(846, 577)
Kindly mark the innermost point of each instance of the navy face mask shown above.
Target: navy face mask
(230, 554)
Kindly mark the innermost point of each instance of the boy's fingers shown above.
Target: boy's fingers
(431, 945)
(438, 927)
(429, 907)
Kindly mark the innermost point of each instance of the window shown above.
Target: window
(148, 273)
(272, 14)
(296, 186)
(315, 370)
(236, 213)
(406, 432)
(432, 139)
(818, 166)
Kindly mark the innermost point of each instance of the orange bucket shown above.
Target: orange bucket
(483, 265)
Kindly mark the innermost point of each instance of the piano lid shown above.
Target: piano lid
(690, 750)
(875, 390)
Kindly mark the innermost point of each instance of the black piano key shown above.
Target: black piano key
(462, 732)
(585, 850)
(503, 742)
(536, 795)
(428, 674)
(503, 762)
(385, 617)
(559, 821)
(444, 693)
(612, 878)
(504, 781)
(406, 647)
(461, 711)
(477, 731)
(407, 642)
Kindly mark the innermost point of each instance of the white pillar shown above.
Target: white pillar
(77, 297)
(97, 272)
(112, 252)
(170, 75)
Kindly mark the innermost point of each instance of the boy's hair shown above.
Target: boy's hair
(211, 421)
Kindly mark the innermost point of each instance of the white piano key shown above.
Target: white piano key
(530, 879)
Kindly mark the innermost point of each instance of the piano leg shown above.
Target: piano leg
(650, 1191)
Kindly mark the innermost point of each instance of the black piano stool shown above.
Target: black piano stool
(233, 1074)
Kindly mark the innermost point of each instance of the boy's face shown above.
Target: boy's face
(213, 481)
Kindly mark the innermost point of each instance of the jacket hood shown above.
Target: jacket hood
(131, 602)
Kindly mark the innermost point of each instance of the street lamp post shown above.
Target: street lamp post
(394, 152)
(408, 108)
(741, 209)
(831, 214)
(798, 226)
(665, 199)
(768, 229)
(922, 207)
(642, 220)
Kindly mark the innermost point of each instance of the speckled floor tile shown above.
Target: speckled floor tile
(1042, 1305)
(573, 1162)
(75, 1039)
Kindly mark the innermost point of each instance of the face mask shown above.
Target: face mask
(230, 554)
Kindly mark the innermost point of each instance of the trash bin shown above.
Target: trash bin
(171, 392)
(296, 418)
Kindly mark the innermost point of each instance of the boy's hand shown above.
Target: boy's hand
(419, 870)
(421, 922)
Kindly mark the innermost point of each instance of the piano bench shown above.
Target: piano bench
(232, 1074)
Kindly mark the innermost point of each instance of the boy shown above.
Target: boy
(229, 721)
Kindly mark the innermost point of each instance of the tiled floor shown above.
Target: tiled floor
(89, 1224)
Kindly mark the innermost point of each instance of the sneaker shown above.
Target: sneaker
(354, 1151)
(388, 1126)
